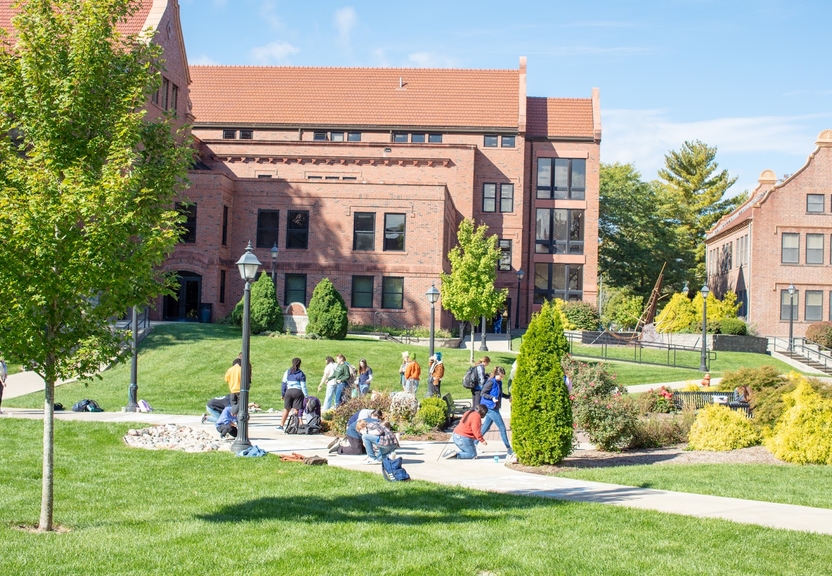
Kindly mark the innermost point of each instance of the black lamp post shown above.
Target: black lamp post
(703, 364)
(433, 297)
(791, 317)
(248, 264)
(132, 390)
(274, 252)
(483, 344)
(520, 275)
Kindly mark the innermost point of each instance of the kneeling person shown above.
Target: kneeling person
(227, 422)
(465, 434)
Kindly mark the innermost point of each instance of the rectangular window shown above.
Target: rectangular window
(165, 93)
(353, 136)
(155, 97)
(362, 291)
(400, 137)
(489, 197)
(507, 142)
(294, 289)
(222, 286)
(814, 203)
(814, 248)
(790, 248)
(297, 229)
(417, 138)
(319, 136)
(506, 197)
(174, 97)
(505, 256)
(394, 229)
(264, 176)
(490, 201)
(189, 226)
(561, 178)
(435, 138)
(246, 134)
(490, 141)
(268, 225)
(727, 257)
(225, 225)
(392, 292)
(814, 306)
(785, 309)
(559, 231)
(364, 231)
(336, 136)
(564, 281)
(229, 134)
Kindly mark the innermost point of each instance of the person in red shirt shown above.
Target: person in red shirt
(466, 432)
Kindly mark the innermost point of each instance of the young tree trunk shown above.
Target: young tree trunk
(473, 329)
(46, 501)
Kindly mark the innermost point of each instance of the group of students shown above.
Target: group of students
(410, 373)
(340, 378)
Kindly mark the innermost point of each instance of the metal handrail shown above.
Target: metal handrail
(813, 352)
(392, 322)
(673, 353)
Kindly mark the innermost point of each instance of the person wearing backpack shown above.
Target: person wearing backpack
(341, 375)
(478, 379)
(466, 435)
(492, 395)
(412, 374)
(293, 391)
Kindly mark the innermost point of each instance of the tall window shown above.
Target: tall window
(222, 286)
(297, 229)
(505, 256)
(727, 257)
(815, 203)
(394, 225)
(362, 292)
(790, 248)
(785, 309)
(294, 289)
(268, 226)
(814, 306)
(364, 231)
(491, 200)
(561, 178)
(165, 93)
(189, 226)
(559, 231)
(392, 292)
(174, 97)
(564, 281)
(225, 225)
(814, 249)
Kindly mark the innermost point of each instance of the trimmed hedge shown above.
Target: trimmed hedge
(327, 312)
(265, 310)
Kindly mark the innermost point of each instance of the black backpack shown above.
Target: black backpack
(292, 424)
(86, 405)
(313, 426)
(471, 378)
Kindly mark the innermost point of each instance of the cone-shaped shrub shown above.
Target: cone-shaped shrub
(265, 310)
(541, 413)
(327, 312)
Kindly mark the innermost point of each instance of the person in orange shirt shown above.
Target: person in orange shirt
(412, 373)
(465, 434)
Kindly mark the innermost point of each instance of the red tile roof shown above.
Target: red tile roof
(133, 25)
(441, 98)
(559, 117)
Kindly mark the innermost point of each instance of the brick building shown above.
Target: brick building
(782, 235)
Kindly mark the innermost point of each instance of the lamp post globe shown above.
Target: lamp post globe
(433, 297)
(248, 265)
(520, 275)
(703, 362)
(791, 317)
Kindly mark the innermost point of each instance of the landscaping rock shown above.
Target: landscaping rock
(173, 437)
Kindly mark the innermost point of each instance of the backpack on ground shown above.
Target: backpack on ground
(311, 424)
(392, 470)
(471, 378)
(144, 406)
(94, 407)
(292, 424)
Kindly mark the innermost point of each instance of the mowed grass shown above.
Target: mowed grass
(130, 511)
(786, 484)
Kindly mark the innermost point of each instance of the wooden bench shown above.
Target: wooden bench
(699, 400)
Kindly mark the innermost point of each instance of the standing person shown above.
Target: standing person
(327, 378)
(436, 371)
(412, 373)
(379, 441)
(492, 394)
(227, 422)
(4, 372)
(341, 376)
(233, 376)
(498, 322)
(365, 376)
(402, 368)
(482, 377)
(466, 432)
(293, 391)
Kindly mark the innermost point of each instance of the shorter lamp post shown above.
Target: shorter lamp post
(520, 275)
(248, 264)
(433, 297)
(507, 324)
(791, 317)
(274, 252)
(703, 364)
(132, 390)
(483, 343)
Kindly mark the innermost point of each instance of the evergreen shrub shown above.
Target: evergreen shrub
(265, 311)
(717, 428)
(431, 414)
(541, 412)
(327, 312)
(758, 379)
(803, 434)
(581, 315)
(733, 326)
(820, 333)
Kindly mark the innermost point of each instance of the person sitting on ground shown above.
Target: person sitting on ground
(379, 441)
(352, 444)
(466, 433)
(365, 376)
(412, 373)
(341, 374)
(293, 391)
(436, 371)
(227, 422)
(492, 395)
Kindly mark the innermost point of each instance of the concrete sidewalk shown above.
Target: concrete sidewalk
(421, 459)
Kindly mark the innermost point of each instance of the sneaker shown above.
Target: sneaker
(334, 443)
(204, 419)
(511, 459)
(450, 454)
(371, 461)
(279, 428)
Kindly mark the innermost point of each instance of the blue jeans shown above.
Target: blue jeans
(213, 414)
(494, 417)
(411, 385)
(363, 389)
(339, 391)
(329, 399)
(467, 447)
(371, 440)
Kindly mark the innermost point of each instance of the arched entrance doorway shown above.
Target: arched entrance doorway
(185, 304)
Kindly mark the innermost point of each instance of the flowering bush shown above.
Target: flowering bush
(403, 407)
(341, 415)
(717, 428)
(657, 401)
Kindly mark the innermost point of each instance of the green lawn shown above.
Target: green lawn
(801, 485)
(131, 511)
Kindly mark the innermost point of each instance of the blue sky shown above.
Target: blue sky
(753, 78)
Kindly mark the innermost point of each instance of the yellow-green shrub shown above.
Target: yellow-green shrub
(803, 434)
(717, 428)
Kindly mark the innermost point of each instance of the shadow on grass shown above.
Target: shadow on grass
(421, 507)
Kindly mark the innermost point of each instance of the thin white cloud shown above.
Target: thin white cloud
(203, 60)
(273, 53)
(430, 60)
(346, 20)
(268, 12)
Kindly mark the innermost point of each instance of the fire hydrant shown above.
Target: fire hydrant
(706, 381)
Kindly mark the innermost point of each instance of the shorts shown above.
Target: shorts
(293, 399)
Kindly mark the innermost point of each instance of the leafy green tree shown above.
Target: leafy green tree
(693, 193)
(327, 312)
(265, 310)
(622, 309)
(582, 315)
(468, 291)
(634, 230)
(541, 412)
(86, 192)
